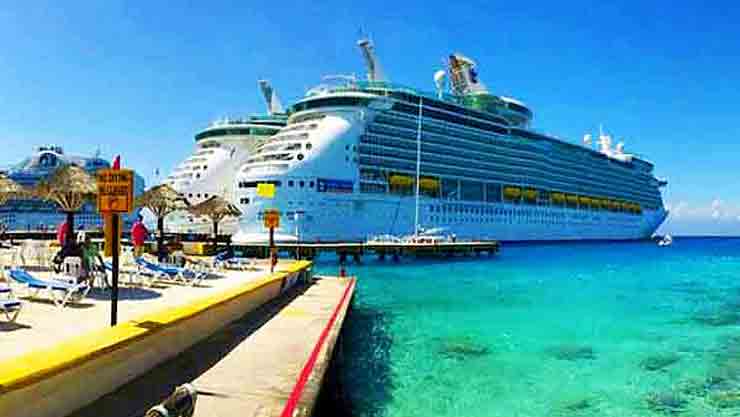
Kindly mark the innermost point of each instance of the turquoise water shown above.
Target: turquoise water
(607, 329)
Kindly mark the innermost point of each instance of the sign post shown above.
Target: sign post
(115, 196)
(272, 221)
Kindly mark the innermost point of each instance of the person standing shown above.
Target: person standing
(62, 231)
(139, 233)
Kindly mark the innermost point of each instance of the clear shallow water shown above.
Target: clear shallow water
(608, 329)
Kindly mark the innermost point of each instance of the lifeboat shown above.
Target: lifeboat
(558, 198)
(401, 180)
(625, 206)
(584, 201)
(429, 184)
(512, 193)
(530, 194)
(571, 199)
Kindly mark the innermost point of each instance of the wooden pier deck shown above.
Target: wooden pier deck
(382, 250)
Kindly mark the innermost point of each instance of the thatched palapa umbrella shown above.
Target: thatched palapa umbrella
(70, 187)
(8, 189)
(216, 209)
(162, 200)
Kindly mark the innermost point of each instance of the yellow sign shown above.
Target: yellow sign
(272, 219)
(115, 190)
(108, 233)
(266, 190)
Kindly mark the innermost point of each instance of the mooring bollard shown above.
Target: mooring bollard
(180, 404)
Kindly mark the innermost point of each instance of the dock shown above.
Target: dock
(381, 250)
(278, 371)
(50, 353)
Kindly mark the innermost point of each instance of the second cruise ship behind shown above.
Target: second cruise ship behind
(220, 149)
(364, 158)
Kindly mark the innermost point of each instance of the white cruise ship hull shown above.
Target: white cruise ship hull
(357, 218)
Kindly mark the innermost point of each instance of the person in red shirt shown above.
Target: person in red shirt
(62, 231)
(139, 233)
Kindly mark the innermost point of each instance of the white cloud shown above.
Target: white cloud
(717, 210)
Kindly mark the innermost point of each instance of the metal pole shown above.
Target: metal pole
(114, 273)
(272, 249)
(418, 168)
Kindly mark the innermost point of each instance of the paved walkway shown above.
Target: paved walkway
(256, 378)
(41, 324)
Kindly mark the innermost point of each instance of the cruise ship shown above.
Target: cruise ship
(36, 214)
(220, 149)
(360, 158)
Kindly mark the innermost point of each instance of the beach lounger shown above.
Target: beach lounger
(59, 292)
(138, 275)
(9, 305)
(225, 261)
(171, 272)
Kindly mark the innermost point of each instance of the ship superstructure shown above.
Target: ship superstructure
(220, 149)
(36, 214)
(362, 158)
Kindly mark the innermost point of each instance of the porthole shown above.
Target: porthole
(300, 157)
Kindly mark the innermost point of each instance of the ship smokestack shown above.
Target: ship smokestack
(374, 71)
(271, 98)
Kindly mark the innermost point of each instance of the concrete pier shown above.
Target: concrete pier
(52, 376)
(278, 370)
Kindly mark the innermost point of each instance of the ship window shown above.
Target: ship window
(308, 145)
(329, 102)
(301, 184)
(310, 184)
(290, 183)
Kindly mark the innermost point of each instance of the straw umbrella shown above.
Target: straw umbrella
(162, 200)
(8, 189)
(216, 209)
(70, 187)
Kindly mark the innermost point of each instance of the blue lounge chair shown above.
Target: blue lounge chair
(142, 277)
(9, 305)
(171, 272)
(226, 261)
(60, 292)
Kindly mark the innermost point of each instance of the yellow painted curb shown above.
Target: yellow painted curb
(30, 368)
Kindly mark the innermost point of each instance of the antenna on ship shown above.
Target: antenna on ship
(440, 81)
(374, 71)
(271, 98)
(605, 141)
(418, 166)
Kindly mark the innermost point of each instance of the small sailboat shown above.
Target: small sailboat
(667, 240)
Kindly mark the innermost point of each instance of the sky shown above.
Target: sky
(140, 78)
